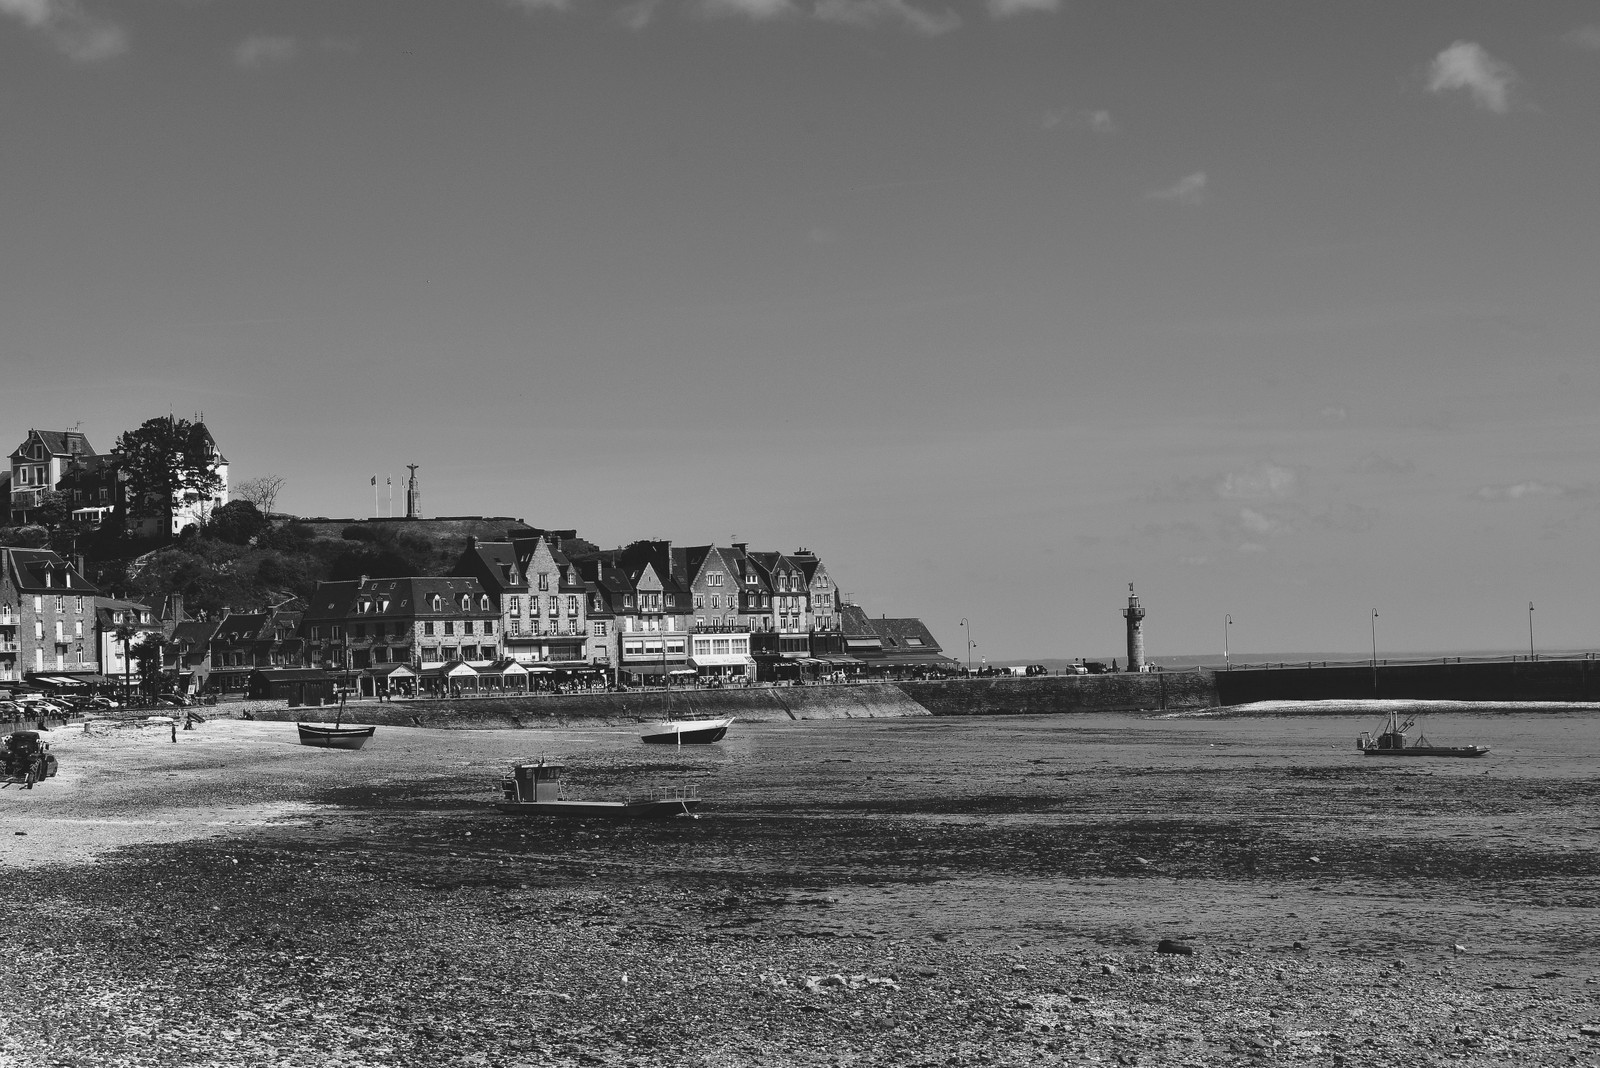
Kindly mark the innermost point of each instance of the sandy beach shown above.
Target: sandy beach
(858, 892)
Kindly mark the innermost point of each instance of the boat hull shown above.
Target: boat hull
(687, 732)
(660, 809)
(1430, 751)
(323, 737)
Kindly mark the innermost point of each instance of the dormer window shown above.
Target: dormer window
(483, 603)
(511, 576)
(438, 603)
(466, 602)
(383, 606)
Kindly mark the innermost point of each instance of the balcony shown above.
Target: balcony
(727, 628)
(10, 619)
(11, 648)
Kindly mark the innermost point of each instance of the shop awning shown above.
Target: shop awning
(722, 660)
(391, 671)
(926, 660)
(658, 669)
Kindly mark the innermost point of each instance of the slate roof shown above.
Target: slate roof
(27, 569)
(56, 443)
(409, 598)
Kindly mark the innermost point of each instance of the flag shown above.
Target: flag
(387, 481)
(374, 480)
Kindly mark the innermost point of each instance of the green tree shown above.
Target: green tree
(238, 522)
(147, 654)
(163, 461)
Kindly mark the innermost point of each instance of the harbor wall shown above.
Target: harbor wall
(1044, 695)
(1502, 681)
(774, 704)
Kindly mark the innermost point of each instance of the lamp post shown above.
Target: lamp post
(1227, 626)
(967, 629)
(1374, 652)
(1531, 656)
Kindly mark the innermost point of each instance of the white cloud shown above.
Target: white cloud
(872, 12)
(540, 5)
(1001, 9)
(1190, 189)
(760, 10)
(1520, 491)
(1466, 66)
(638, 15)
(262, 49)
(1584, 37)
(1099, 121)
(1269, 482)
(82, 36)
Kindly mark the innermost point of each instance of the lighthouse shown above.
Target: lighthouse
(1135, 617)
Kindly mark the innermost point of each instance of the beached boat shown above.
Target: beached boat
(1394, 741)
(336, 736)
(687, 731)
(537, 790)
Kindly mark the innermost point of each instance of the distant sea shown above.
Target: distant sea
(1188, 662)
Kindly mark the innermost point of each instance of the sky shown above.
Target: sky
(1285, 312)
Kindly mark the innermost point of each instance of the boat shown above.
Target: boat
(1394, 741)
(687, 731)
(334, 737)
(537, 790)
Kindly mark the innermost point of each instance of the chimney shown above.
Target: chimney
(472, 541)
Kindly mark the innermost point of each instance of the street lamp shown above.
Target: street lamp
(1530, 632)
(967, 629)
(1374, 652)
(1227, 625)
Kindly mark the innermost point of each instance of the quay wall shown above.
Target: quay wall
(1044, 695)
(774, 704)
(1495, 681)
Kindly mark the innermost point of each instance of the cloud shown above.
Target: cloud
(1465, 65)
(1519, 491)
(1269, 482)
(1377, 464)
(82, 36)
(636, 16)
(1097, 121)
(760, 10)
(262, 49)
(1190, 189)
(1584, 37)
(540, 5)
(872, 12)
(1003, 9)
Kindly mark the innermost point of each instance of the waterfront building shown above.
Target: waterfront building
(720, 635)
(116, 655)
(895, 647)
(241, 642)
(444, 629)
(47, 616)
(542, 597)
(648, 606)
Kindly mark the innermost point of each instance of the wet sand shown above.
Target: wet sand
(883, 891)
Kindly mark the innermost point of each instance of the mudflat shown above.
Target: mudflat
(896, 892)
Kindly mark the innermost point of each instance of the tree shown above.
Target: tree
(163, 461)
(261, 492)
(237, 521)
(147, 653)
(125, 633)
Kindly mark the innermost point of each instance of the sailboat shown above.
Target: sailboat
(689, 730)
(337, 736)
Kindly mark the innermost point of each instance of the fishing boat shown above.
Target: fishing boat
(1393, 740)
(687, 731)
(537, 790)
(335, 736)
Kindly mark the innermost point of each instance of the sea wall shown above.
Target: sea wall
(1045, 695)
(755, 703)
(1540, 680)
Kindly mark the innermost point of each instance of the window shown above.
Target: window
(80, 606)
(572, 604)
(449, 626)
(554, 607)
(627, 600)
(483, 603)
(438, 603)
(430, 653)
(598, 628)
(595, 603)
(514, 606)
(544, 581)
(466, 602)
(427, 628)
(488, 626)
(699, 600)
(669, 601)
(61, 604)
(466, 627)
(314, 633)
(22, 476)
(716, 600)
(719, 646)
(383, 605)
